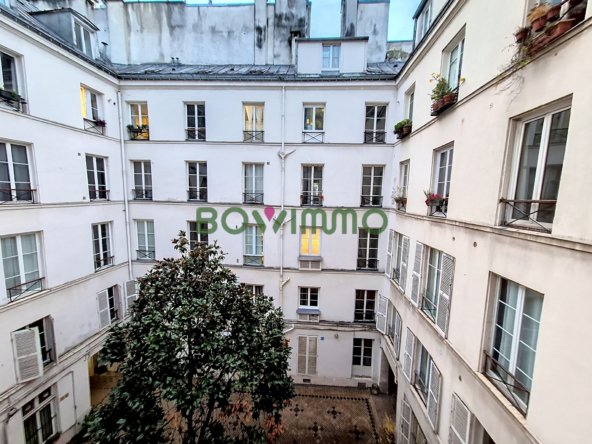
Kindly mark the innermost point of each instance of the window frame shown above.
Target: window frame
(96, 176)
(86, 95)
(309, 299)
(420, 349)
(256, 234)
(365, 302)
(83, 43)
(141, 118)
(318, 231)
(16, 70)
(38, 406)
(315, 196)
(363, 346)
(199, 236)
(410, 102)
(459, 43)
(46, 338)
(253, 128)
(10, 164)
(375, 118)
(398, 256)
(367, 250)
(253, 191)
(427, 255)
(332, 57)
(198, 189)
(151, 253)
(372, 185)
(102, 251)
(145, 190)
(404, 168)
(314, 107)
(424, 25)
(199, 132)
(448, 172)
(20, 258)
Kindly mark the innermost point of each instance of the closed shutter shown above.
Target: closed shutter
(416, 278)
(404, 261)
(434, 395)
(397, 334)
(443, 308)
(131, 293)
(460, 422)
(381, 315)
(408, 357)
(302, 346)
(389, 254)
(404, 423)
(103, 302)
(312, 356)
(27, 354)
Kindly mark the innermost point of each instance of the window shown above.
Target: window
(15, 177)
(195, 236)
(146, 247)
(20, 262)
(375, 124)
(198, 181)
(253, 123)
(89, 101)
(425, 21)
(372, 186)
(307, 355)
(362, 357)
(309, 297)
(255, 289)
(515, 338)
(96, 172)
(540, 163)
(253, 183)
(314, 121)
(410, 100)
(109, 304)
(196, 121)
(367, 250)
(410, 431)
(441, 182)
(142, 180)
(101, 246)
(310, 241)
(455, 59)
(394, 329)
(432, 284)
(312, 185)
(404, 179)
(8, 81)
(331, 57)
(82, 39)
(427, 382)
(253, 245)
(422, 380)
(139, 127)
(401, 261)
(44, 328)
(365, 302)
(39, 418)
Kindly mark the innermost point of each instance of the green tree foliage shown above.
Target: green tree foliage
(203, 359)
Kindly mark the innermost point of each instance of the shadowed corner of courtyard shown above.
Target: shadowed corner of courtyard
(317, 414)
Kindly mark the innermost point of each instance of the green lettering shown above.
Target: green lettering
(365, 221)
(259, 220)
(242, 228)
(200, 219)
(279, 221)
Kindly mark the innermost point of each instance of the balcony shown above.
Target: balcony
(25, 289)
(364, 316)
(371, 201)
(529, 214)
(367, 264)
(13, 100)
(141, 133)
(311, 198)
(252, 260)
(197, 195)
(313, 137)
(103, 263)
(516, 392)
(146, 255)
(401, 204)
(8, 195)
(253, 198)
(196, 134)
(374, 136)
(98, 195)
(95, 126)
(428, 307)
(441, 105)
(252, 136)
(437, 208)
(142, 194)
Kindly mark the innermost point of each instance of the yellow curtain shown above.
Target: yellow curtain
(83, 101)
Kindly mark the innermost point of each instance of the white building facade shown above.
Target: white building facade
(102, 164)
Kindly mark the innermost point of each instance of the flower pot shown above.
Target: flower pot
(521, 35)
(449, 99)
(406, 130)
(434, 203)
(561, 28)
(539, 23)
(8, 95)
(553, 13)
(100, 123)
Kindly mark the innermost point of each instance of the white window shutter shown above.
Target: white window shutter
(443, 308)
(389, 254)
(131, 293)
(397, 334)
(404, 425)
(312, 356)
(381, 315)
(103, 302)
(460, 422)
(434, 395)
(302, 352)
(408, 357)
(416, 278)
(404, 262)
(27, 354)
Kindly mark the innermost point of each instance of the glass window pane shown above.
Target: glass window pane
(319, 118)
(527, 170)
(308, 119)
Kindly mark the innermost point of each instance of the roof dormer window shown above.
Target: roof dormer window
(331, 57)
(82, 39)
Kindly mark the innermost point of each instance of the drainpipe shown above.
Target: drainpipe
(11, 412)
(124, 178)
(283, 186)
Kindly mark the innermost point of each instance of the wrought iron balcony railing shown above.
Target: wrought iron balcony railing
(364, 316)
(13, 100)
(142, 193)
(196, 134)
(146, 254)
(515, 391)
(253, 198)
(313, 137)
(428, 307)
(252, 136)
(198, 195)
(438, 208)
(253, 260)
(95, 126)
(374, 136)
(401, 204)
(104, 262)
(367, 264)
(371, 201)
(312, 198)
(536, 212)
(98, 194)
(25, 289)
(14, 195)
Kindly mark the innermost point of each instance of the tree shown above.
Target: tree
(203, 360)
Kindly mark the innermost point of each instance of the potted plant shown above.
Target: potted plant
(553, 13)
(433, 200)
(403, 128)
(100, 123)
(537, 16)
(521, 34)
(560, 28)
(441, 90)
(399, 198)
(7, 94)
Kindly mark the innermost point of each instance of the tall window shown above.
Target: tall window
(146, 246)
(20, 262)
(403, 186)
(312, 185)
(82, 39)
(253, 123)
(39, 418)
(401, 258)
(362, 357)
(46, 342)
(96, 173)
(365, 303)
(198, 181)
(142, 179)
(375, 124)
(443, 171)
(15, 179)
(89, 102)
(367, 250)
(331, 55)
(253, 245)
(101, 246)
(109, 306)
(540, 165)
(372, 186)
(429, 302)
(197, 237)
(196, 121)
(424, 21)
(515, 338)
(255, 289)
(8, 81)
(309, 297)
(314, 124)
(410, 103)
(310, 241)
(253, 183)
(423, 372)
(455, 64)
(139, 121)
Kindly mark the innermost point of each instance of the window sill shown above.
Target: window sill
(310, 258)
(308, 311)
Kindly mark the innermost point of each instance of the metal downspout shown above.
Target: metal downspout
(124, 178)
(283, 186)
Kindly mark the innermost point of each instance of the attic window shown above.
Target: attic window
(82, 39)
